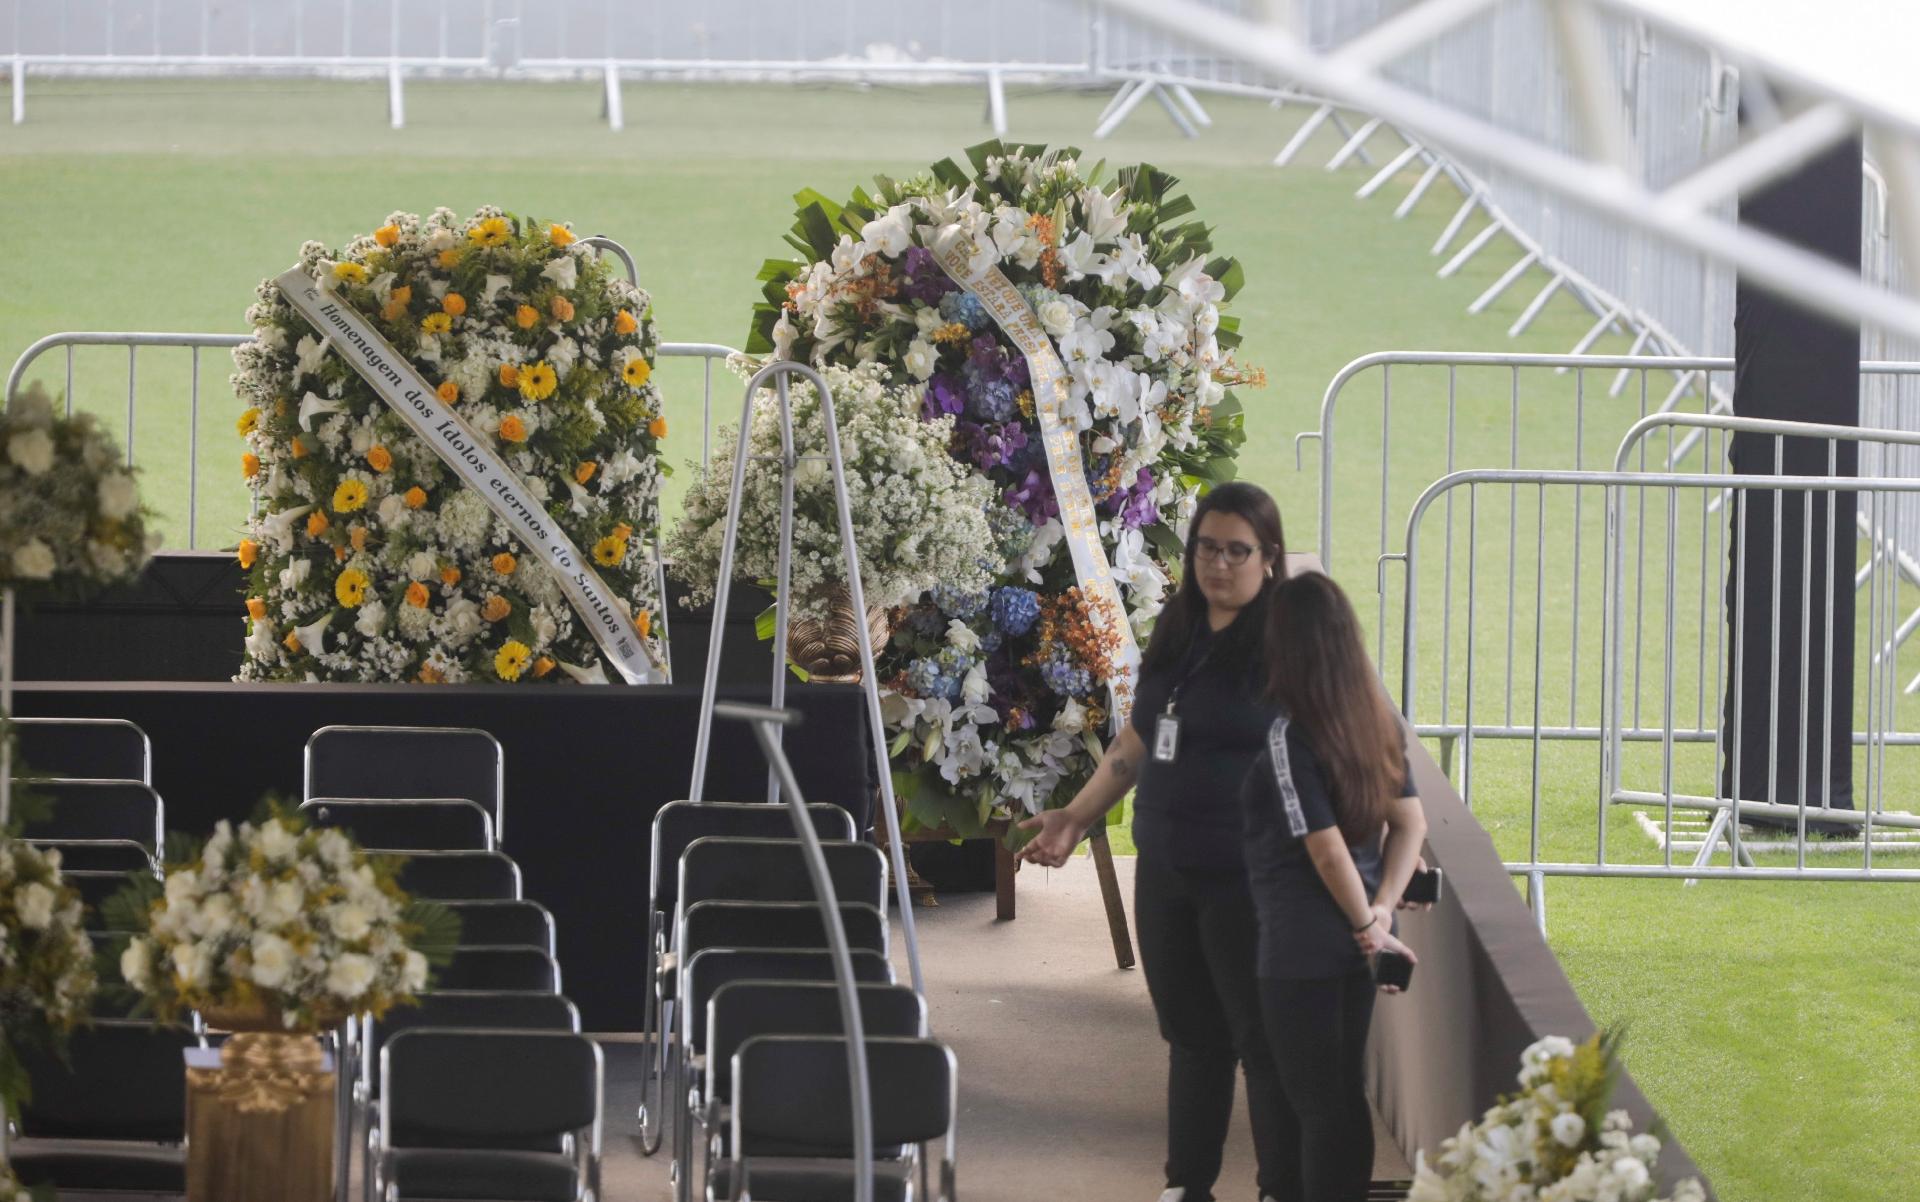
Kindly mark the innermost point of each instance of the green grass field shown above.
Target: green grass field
(1772, 1023)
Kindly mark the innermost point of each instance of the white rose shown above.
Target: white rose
(464, 617)
(920, 358)
(335, 849)
(350, 922)
(136, 963)
(272, 961)
(33, 560)
(563, 271)
(182, 886)
(1630, 1173)
(215, 917)
(1568, 1129)
(295, 574)
(350, 975)
(118, 495)
(961, 636)
(282, 903)
(372, 619)
(276, 842)
(34, 903)
(394, 512)
(422, 565)
(1057, 317)
(413, 977)
(192, 963)
(31, 450)
(1072, 718)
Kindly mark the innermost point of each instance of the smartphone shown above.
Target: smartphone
(1392, 968)
(1423, 888)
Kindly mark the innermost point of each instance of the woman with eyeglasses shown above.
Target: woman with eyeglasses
(1199, 722)
(1333, 833)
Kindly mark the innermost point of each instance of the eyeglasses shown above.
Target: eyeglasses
(1233, 554)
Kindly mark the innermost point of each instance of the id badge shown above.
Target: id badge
(1166, 738)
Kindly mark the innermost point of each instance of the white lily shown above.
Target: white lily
(313, 636)
(595, 673)
(314, 405)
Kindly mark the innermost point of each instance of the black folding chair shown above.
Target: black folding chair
(519, 969)
(791, 1134)
(676, 825)
(460, 876)
(109, 1115)
(797, 924)
(504, 923)
(103, 825)
(703, 974)
(474, 1114)
(740, 1010)
(409, 824)
(471, 1010)
(388, 762)
(85, 748)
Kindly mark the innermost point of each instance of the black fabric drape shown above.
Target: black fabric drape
(1793, 364)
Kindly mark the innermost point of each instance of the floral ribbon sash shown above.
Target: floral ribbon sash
(473, 462)
(1010, 311)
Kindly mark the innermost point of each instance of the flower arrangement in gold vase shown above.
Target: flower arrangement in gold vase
(276, 925)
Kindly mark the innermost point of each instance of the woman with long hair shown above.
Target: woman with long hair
(1198, 723)
(1333, 833)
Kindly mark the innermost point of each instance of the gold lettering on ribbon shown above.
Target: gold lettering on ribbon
(1048, 378)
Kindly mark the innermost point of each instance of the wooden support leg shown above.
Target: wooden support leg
(1110, 894)
(1004, 866)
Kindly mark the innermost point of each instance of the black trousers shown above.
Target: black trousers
(1318, 1031)
(1197, 940)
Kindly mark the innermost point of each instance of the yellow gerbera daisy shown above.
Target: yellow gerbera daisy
(609, 551)
(637, 372)
(350, 587)
(349, 496)
(436, 323)
(511, 659)
(351, 273)
(494, 231)
(248, 423)
(537, 381)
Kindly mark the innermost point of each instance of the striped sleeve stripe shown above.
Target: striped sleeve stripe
(1283, 778)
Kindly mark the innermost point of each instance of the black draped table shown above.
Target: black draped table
(586, 768)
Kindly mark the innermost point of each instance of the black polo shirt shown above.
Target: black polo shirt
(1187, 813)
(1303, 932)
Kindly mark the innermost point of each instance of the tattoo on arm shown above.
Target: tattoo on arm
(1122, 767)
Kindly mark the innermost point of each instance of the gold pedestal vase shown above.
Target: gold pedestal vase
(261, 1126)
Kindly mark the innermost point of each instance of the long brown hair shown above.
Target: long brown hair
(1318, 671)
(1173, 629)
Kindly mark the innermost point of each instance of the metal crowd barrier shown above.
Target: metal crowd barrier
(193, 344)
(1468, 410)
(1661, 705)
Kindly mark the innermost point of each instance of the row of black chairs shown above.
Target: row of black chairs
(746, 1025)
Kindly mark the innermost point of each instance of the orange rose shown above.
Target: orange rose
(657, 427)
(542, 666)
(643, 622)
(449, 258)
(623, 531)
(449, 575)
(513, 429)
(624, 322)
(454, 304)
(387, 235)
(247, 552)
(340, 553)
(393, 310)
(317, 523)
(526, 317)
(504, 564)
(292, 641)
(249, 465)
(256, 608)
(298, 448)
(509, 376)
(403, 294)
(379, 458)
(585, 472)
(448, 391)
(428, 673)
(562, 309)
(415, 497)
(417, 595)
(496, 608)
(358, 537)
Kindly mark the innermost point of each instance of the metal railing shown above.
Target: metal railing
(1661, 708)
(88, 382)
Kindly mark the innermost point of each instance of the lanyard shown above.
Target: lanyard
(1196, 663)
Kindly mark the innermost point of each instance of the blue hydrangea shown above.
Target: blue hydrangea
(942, 675)
(990, 400)
(926, 621)
(965, 307)
(1015, 610)
(958, 604)
(1012, 532)
(1066, 678)
(990, 642)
